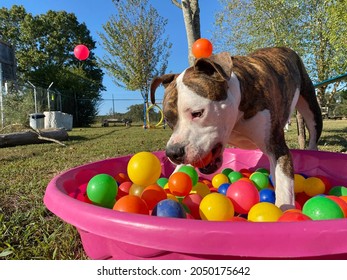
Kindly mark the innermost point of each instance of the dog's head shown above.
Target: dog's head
(197, 106)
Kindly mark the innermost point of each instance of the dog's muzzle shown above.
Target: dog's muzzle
(177, 155)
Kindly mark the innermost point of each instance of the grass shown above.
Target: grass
(29, 231)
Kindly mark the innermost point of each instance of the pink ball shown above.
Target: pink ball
(81, 52)
(192, 201)
(244, 195)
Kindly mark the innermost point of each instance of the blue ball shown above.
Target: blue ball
(169, 208)
(267, 195)
(223, 188)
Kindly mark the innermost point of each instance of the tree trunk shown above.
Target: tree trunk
(191, 16)
(301, 130)
(31, 137)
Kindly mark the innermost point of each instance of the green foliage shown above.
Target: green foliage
(133, 39)
(44, 52)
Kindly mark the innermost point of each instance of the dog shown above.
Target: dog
(240, 101)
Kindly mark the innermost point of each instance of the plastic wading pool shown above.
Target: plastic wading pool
(109, 234)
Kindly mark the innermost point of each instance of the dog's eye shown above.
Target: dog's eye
(197, 114)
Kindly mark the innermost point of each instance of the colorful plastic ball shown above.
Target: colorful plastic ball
(162, 182)
(265, 171)
(122, 177)
(234, 176)
(219, 179)
(169, 208)
(152, 194)
(131, 204)
(124, 189)
(202, 48)
(223, 188)
(314, 186)
(260, 180)
(192, 201)
(190, 170)
(216, 207)
(299, 183)
(201, 189)
(144, 168)
(136, 190)
(291, 216)
(203, 161)
(180, 184)
(237, 219)
(264, 212)
(243, 195)
(322, 208)
(81, 52)
(102, 190)
(245, 172)
(340, 202)
(267, 195)
(226, 171)
(326, 182)
(338, 191)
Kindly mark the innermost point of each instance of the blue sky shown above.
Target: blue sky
(94, 13)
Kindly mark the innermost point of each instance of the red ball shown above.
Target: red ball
(152, 194)
(131, 204)
(81, 52)
(293, 216)
(244, 195)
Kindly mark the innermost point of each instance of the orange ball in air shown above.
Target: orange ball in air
(202, 48)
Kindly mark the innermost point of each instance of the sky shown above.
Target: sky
(95, 13)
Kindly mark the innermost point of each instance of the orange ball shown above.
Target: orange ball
(131, 204)
(202, 48)
(204, 161)
(152, 194)
(180, 184)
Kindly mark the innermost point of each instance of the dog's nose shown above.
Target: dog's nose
(175, 153)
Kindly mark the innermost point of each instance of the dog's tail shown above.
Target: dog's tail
(308, 106)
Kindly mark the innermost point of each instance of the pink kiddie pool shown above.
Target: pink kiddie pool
(109, 234)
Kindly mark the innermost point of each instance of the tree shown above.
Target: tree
(191, 16)
(136, 49)
(44, 52)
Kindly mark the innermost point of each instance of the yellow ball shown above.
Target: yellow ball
(219, 179)
(201, 189)
(216, 207)
(264, 212)
(314, 186)
(299, 183)
(144, 168)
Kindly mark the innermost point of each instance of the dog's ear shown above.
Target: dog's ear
(165, 80)
(219, 63)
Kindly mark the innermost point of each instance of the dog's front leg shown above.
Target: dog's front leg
(283, 177)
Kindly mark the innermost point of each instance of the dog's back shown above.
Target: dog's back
(266, 83)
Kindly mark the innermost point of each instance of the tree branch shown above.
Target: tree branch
(176, 3)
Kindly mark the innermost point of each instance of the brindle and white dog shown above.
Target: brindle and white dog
(241, 101)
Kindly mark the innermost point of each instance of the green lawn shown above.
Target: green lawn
(29, 231)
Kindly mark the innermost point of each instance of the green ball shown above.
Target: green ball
(226, 171)
(338, 191)
(322, 208)
(264, 171)
(162, 181)
(102, 190)
(191, 172)
(260, 180)
(234, 176)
